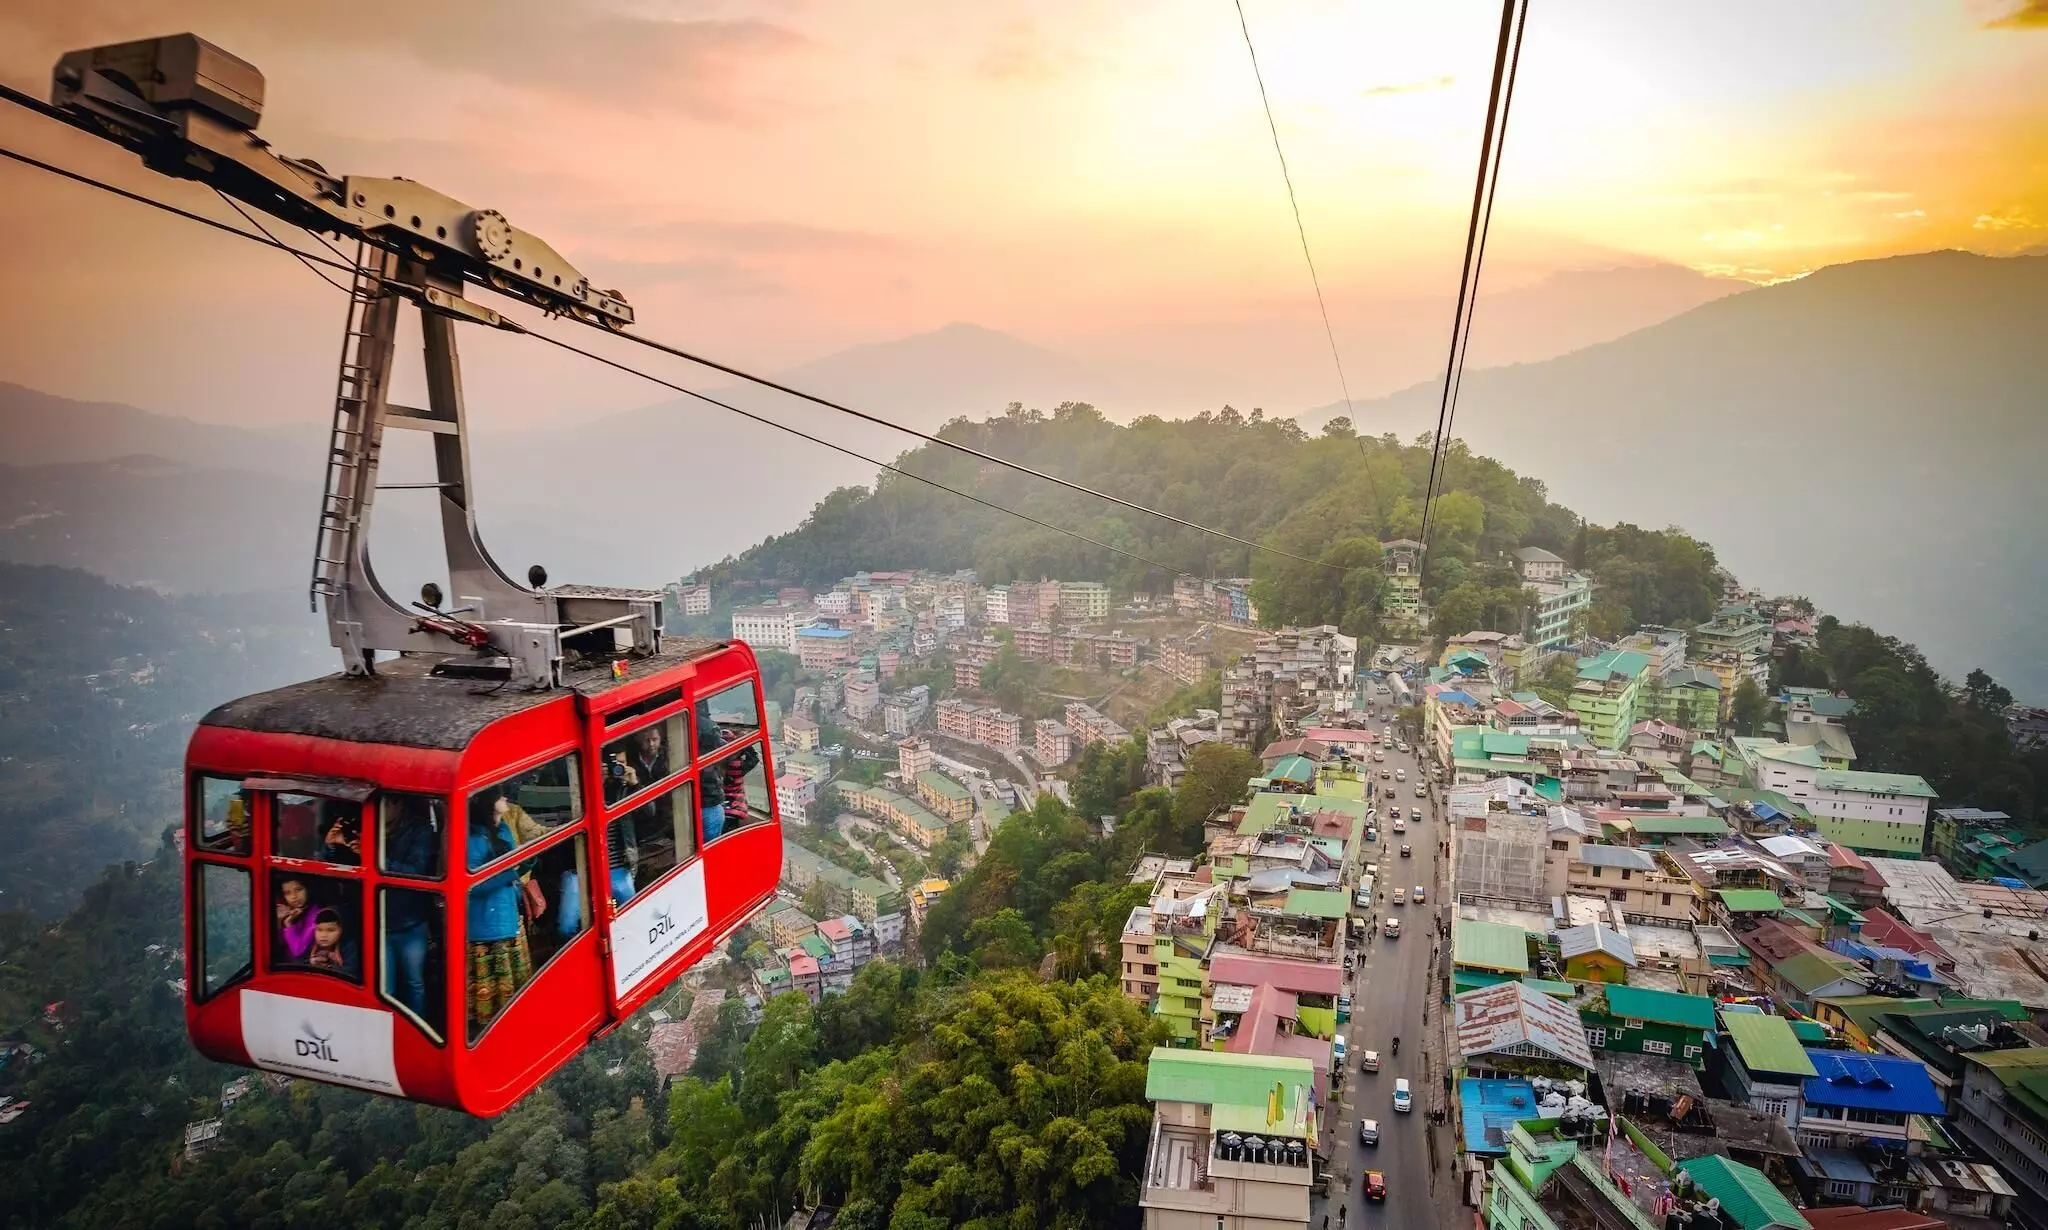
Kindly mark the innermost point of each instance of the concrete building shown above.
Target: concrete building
(2001, 1109)
(922, 897)
(914, 756)
(995, 605)
(944, 796)
(862, 896)
(1606, 695)
(906, 817)
(1536, 564)
(1053, 742)
(1558, 605)
(693, 599)
(1872, 813)
(863, 698)
(1201, 1171)
(903, 712)
(794, 795)
(820, 647)
(1186, 661)
(1084, 600)
(1089, 725)
(800, 734)
(771, 626)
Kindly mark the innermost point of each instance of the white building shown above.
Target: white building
(903, 712)
(694, 599)
(1557, 603)
(1536, 564)
(773, 626)
(996, 605)
(835, 602)
(1084, 600)
(794, 794)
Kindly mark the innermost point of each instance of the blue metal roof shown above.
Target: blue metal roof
(1871, 1082)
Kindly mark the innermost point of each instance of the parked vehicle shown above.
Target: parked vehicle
(1337, 1050)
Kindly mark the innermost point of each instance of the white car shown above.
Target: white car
(1337, 1050)
(1403, 1100)
(1400, 825)
(1370, 1062)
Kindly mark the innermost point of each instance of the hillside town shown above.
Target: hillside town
(1650, 970)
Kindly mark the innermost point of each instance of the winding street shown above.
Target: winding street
(846, 824)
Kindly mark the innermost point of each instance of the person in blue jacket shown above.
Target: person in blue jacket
(499, 960)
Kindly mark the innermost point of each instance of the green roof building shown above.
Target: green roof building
(1607, 695)
(1649, 1022)
(1746, 1193)
(1483, 953)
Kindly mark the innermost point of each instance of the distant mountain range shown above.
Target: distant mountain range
(1871, 435)
(1867, 435)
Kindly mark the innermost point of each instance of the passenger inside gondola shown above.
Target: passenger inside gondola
(315, 919)
(334, 949)
(527, 909)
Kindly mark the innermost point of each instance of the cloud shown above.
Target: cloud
(1409, 87)
(2027, 15)
(1910, 213)
(577, 49)
(2011, 218)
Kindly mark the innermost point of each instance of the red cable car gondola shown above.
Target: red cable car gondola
(404, 885)
(513, 817)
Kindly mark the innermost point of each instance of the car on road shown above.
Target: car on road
(1393, 928)
(1375, 1185)
(1379, 758)
(1421, 790)
(1404, 1101)
(1371, 833)
(1369, 1132)
(1400, 775)
(1344, 1011)
(1400, 825)
(1420, 895)
(1386, 776)
(1337, 1050)
(1415, 814)
(1407, 851)
(1402, 746)
(1370, 1062)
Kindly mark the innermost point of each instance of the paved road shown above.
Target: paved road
(1389, 993)
(847, 825)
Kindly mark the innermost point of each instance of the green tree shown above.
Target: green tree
(1216, 778)
(1748, 708)
(1003, 940)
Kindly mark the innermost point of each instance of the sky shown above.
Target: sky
(771, 182)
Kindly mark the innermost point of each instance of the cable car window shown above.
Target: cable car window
(221, 809)
(633, 762)
(734, 709)
(660, 700)
(412, 838)
(223, 956)
(324, 830)
(316, 924)
(519, 919)
(735, 790)
(522, 809)
(410, 977)
(650, 841)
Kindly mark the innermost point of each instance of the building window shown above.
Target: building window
(1773, 1106)
(1596, 1035)
(1667, 898)
(1618, 894)
(1692, 1052)
(1654, 1046)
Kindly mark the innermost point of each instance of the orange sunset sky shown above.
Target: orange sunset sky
(769, 182)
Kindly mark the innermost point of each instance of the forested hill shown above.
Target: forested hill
(99, 688)
(1332, 498)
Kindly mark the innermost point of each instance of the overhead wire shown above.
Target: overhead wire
(305, 260)
(312, 262)
(1507, 54)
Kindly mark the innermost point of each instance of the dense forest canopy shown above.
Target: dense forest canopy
(1331, 499)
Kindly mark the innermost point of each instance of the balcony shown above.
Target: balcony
(1176, 1171)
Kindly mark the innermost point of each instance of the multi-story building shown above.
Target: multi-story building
(794, 794)
(1536, 564)
(857, 894)
(1053, 742)
(1033, 642)
(1089, 725)
(945, 797)
(956, 718)
(1553, 624)
(967, 675)
(693, 599)
(1140, 966)
(1635, 881)
(1872, 813)
(922, 897)
(995, 605)
(999, 728)
(772, 626)
(821, 647)
(836, 602)
(2001, 1110)
(1207, 1106)
(914, 756)
(903, 712)
(1084, 600)
(800, 734)
(1182, 660)
(1401, 595)
(863, 698)
(1734, 645)
(1685, 696)
(910, 819)
(1607, 694)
